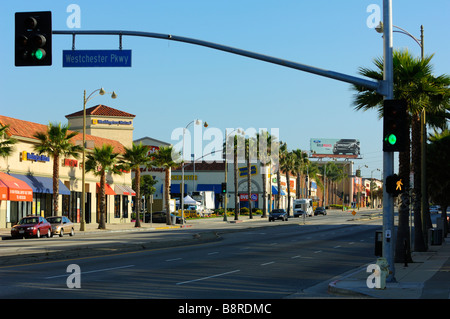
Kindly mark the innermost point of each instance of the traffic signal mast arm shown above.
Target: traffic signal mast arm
(379, 86)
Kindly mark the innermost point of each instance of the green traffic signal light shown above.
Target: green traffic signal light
(391, 139)
(38, 54)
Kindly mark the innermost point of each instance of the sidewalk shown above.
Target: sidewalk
(428, 277)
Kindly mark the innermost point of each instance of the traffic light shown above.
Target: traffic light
(224, 188)
(394, 185)
(395, 126)
(33, 42)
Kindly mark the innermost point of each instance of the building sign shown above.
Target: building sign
(34, 157)
(186, 177)
(243, 171)
(70, 162)
(111, 122)
(329, 147)
(244, 197)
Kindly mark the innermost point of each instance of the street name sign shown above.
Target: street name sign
(96, 58)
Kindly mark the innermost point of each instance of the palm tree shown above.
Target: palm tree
(6, 142)
(438, 171)
(287, 162)
(301, 162)
(282, 153)
(414, 82)
(134, 158)
(250, 156)
(99, 162)
(168, 159)
(56, 142)
(264, 140)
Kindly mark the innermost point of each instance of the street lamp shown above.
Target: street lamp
(101, 91)
(371, 181)
(197, 122)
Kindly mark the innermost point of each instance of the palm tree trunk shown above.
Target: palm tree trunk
(167, 195)
(403, 243)
(137, 181)
(102, 222)
(419, 238)
(55, 183)
(264, 185)
(249, 184)
(236, 205)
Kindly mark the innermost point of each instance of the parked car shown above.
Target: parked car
(31, 226)
(61, 225)
(278, 214)
(160, 217)
(320, 210)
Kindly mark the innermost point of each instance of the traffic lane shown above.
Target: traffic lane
(207, 271)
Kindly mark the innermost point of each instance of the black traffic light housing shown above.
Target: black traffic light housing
(395, 126)
(394, 185)
(224, 188)
(33, 38)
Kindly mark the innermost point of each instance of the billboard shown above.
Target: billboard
(332, 147)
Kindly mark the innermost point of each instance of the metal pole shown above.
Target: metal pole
(375, 85)
(83, 187)
(388, 157)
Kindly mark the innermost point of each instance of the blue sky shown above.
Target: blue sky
(170, 84)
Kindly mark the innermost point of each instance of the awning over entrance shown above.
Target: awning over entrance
(14, 189)
(275, 191)
(42, 184)
(108, 189)
(124, 190)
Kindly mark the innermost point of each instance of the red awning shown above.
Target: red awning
(108, 189)
(16, 190)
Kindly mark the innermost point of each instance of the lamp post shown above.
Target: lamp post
(197, 122)
(371, 181)
(101, 91)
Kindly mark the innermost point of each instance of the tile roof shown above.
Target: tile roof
(21, 128)
(102, 110)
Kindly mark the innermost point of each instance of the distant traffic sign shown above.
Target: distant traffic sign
(96, 58)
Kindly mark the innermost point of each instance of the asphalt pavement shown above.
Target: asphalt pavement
(427, 277)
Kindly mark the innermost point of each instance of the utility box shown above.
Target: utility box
(379, 243)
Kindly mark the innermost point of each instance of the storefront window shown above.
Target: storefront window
(125, 206)
(117, 206)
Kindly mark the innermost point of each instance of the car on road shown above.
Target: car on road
(61, 225)
(32, 226)
(160, 217)
(320, 210)
(278, 214)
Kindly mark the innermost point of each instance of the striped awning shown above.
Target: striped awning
(124, 190)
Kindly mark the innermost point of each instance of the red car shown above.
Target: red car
(32, 226)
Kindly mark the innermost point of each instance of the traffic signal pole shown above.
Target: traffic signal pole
(388, 157)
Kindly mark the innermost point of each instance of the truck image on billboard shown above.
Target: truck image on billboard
(329, 147)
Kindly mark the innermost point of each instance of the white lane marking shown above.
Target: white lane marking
(92, 271)
(270, 262)
(204, 278)
(173, 259)
(298, 256)
(213, 253)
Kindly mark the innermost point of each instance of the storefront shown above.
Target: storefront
(35, 173)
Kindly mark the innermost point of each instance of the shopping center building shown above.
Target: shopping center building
(26, 183)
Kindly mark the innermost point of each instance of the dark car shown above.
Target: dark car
(278, 214)
(32, 226)
(160, 217)
(320, 210)
(346, 146)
